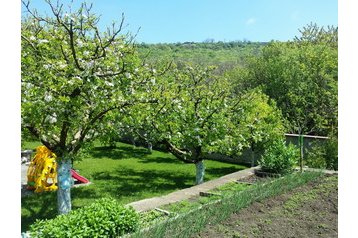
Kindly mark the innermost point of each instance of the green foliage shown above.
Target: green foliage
(302, 77)
(279, 158)
(191, 113)
(150, 217)
(104, 218)
(224, 55)
(73, 75)
(231, 186)
(323, 155)
(259, 121)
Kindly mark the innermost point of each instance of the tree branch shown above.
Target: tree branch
(179, 154)
(36, 133)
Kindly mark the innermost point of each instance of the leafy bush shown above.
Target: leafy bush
(324, 156)
(104, 218)
(279, 158)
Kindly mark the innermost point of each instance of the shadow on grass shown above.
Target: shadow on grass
(131, 181)
(159, 160)
(139, 183)
(125, 152)
(118, 152)
(38, 206)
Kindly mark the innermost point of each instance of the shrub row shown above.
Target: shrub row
(103, 218)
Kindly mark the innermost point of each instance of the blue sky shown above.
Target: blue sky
(222, 20)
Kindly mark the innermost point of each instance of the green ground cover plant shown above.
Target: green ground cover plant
(103, 218)
(125, 173)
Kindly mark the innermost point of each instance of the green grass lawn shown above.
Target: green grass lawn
(125, 173)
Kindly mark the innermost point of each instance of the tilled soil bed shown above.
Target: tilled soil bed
(307, 211)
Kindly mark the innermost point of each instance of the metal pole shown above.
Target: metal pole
(301, 152)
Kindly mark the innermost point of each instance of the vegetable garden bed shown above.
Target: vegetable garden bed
(189, 217)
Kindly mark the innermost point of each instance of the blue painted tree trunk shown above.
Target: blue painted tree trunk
(200, 171)
(64, 182)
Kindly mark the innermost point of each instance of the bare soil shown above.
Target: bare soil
(307, 211)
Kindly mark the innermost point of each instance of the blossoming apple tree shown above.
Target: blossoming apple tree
(73, 75)
(191, 116)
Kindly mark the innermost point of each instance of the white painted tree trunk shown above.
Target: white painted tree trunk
(200, 171)
(150, 147)
(65, 182)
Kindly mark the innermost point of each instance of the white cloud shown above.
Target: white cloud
(251, 21)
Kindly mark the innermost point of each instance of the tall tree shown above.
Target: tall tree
(302, 77)
(191, 116)
(73, 76)
(258, 120)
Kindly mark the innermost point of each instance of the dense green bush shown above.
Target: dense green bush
(323, 155)
(279, 158)
(104, 218)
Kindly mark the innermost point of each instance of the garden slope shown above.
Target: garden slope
(307, 211)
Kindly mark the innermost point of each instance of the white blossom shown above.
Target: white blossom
(51, 118)
(108, 83)
(48, 97)
(62, 65)
(128, 75)
(77, 135)
(79, 42)
(43, 41)
(32, 38)
(90, 63)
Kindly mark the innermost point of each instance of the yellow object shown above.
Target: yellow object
(42, 171)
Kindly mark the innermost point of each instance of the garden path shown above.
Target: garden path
(155, 202)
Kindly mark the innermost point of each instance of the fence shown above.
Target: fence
(245, 157)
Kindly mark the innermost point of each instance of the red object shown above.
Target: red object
(80, 178)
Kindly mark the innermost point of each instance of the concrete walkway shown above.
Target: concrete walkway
(325, 171)
(151, 203)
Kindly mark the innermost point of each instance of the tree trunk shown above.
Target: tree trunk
(150, 147)
(133, 141)
(200, 171)
(252, 157)
(65, 182)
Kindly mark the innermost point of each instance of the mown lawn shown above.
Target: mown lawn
(125, 173)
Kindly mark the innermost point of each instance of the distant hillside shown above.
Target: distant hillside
(223, 54)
